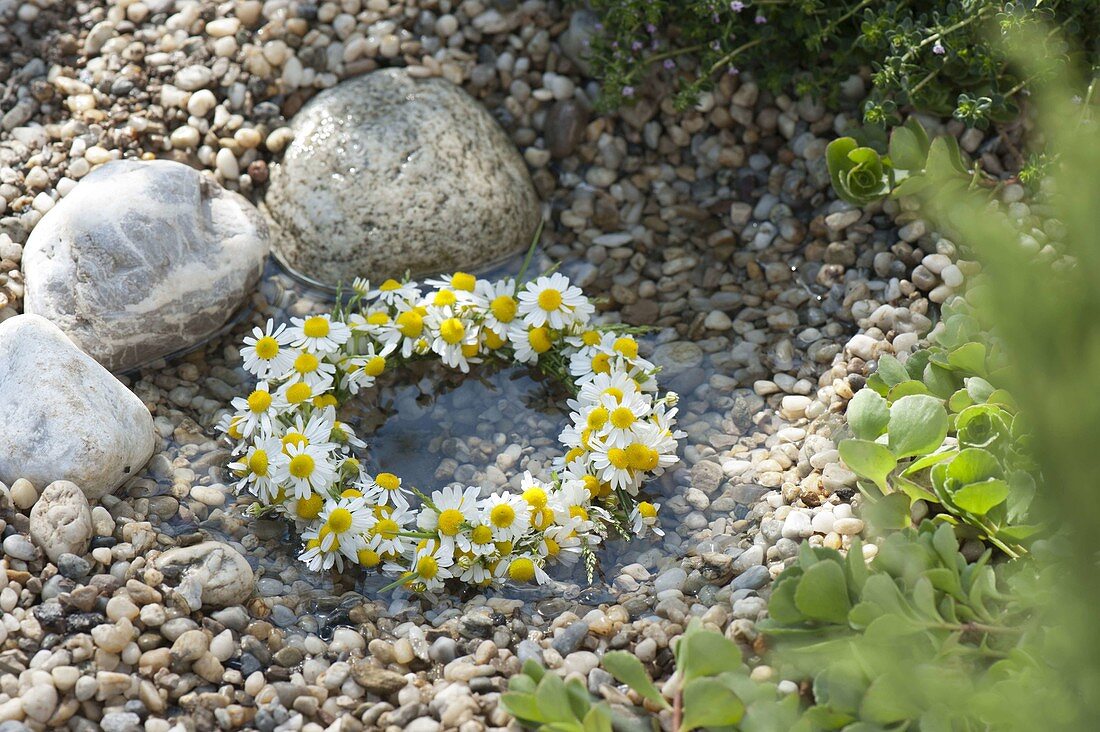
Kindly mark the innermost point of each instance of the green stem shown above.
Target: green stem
(730, 56)
(402, 580)
(527, 259)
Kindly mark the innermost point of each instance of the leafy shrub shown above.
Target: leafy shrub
(935, 56)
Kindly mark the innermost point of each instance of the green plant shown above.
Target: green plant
(542, 701)
(939, 56)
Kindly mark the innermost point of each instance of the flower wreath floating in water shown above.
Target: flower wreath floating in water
(294, 455)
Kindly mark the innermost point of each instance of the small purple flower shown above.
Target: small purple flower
(599, 26)
(733, 71)
(670, 64)
(628, 91)
(760, 20)
(938, 49)
(716, 19)
(614, 44)
(716, 45)
(737, 6)
(650, 28)
(636, 46)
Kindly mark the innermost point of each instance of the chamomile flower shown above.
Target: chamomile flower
(304, 510)
(343, 523)
(612, 465)
(384, 489)
(384, 535)
(577, 471)
(523, 568)
(592, 390)
(431, 566)
(407, 331)
(643, 519)
(477, 574)
(499, 303)
(318, 333)
(623, 415)
(361, 371)
(255, 411)
(293, 394)
(555, 302)
(508, 516)
(312, 369)
(316, 432)
(267, 352)
(462, 284)
(393, 293)
(454, 507)
(451, 335)
(304, 469)
(572, 504)
(478, 538)
(529, 342)
(561, 543)
(256, 469)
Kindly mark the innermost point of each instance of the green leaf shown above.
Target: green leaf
(972, 465)
(891, 370)
(534, 670)
(906, 150)
(969, 358)
(781, 605)
(521, 706)
(979, 498)
(522, 683)
(710, 703)
(552, 699)
(629, 670)
(869, 459)
(868, 414)
(706, 653)
(889, 513)
(905, 388)
(979, 389)
(579, 699)
(598, 719)
(918, 425)
(889, 699)
(928, 461)
(822, 593)
(858, 173)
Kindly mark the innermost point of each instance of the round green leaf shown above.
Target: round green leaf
(918, 424)
(868, 414)
(822, 593)
(869, 459)
(710, 703)
(979, 498)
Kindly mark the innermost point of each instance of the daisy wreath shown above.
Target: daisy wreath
(299, 461)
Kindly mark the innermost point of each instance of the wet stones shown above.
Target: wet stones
(388, 173)
(63, 416)
(143, 259)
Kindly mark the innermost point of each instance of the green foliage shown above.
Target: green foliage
(940, 56)
(542, 701)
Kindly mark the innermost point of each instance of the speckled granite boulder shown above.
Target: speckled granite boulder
(388, 173)
(143, 259)
(63, 416)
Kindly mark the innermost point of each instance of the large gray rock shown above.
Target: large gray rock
(61, 521)
(62, 415)
(142, 259)
(388, 174)
(210, 574)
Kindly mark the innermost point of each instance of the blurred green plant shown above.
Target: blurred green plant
(939, 56)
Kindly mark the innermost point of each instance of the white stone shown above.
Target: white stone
(61, 522)
(212, 574)
(388, 174)
(143, 259)
(796, 525)
(847, 526)
(63, 416)
(23, 494)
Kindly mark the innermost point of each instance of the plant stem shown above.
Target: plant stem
(729, 56)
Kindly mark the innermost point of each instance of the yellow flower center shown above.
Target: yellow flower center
(301, 466)
(257, 463)
(388, 481)
(642, 457)
(315, 327)
(540, 339)
(504, 308)
(324, 400)
(573, 454)
(389, 286)
(298, 393)
(452, 330)
(597, 418)
(234, 430)
(627, 346)
(618, 459)
(368, 557)
(469, 350)
(306, 363)
(259, 401)
(521, 569)
(267, 348)
(310, 508)
(294, 438)
(463, 281)
(542, 518)
(578, 512)
(535, 497)
(427, 567)
(622, 418)
(590, 337)
(374, 366)
(313, 543)
(647, 510)
(450, 521)
(502, 515)
(443, 298)
(601, 363)
(350, 493)
(614, 392)
(592, 485)
(481, 535)
(410, 323)
(550, 299)
(492, 340)
(339, 520)
(387, 528)
(552, 547)
(504, 547)
(378, 318)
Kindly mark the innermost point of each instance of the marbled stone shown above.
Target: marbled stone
(63, 416)
(143, 259)
(61, 522)
(388, 174)
(210, 574)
